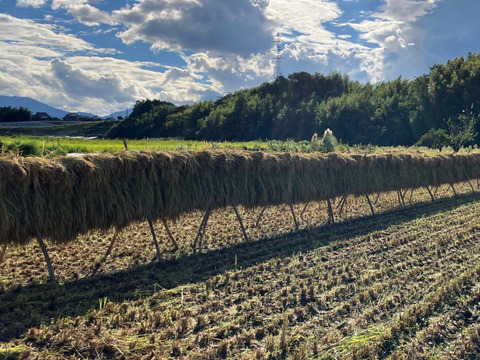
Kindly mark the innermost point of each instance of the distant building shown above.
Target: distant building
(72, 117)
(78, 117)
(41, 116)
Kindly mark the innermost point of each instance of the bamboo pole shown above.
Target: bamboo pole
(257, 223)
(330, 212)
(410, 200)
(294, 217)
(303, 211)
(107, 253)
(471, 186)
(240, 221)
(154, 236)
(431, 195)
(51, 273)
(453, 188)
(2, 252)
(401, 198)
(370, 203)
(341, 201)
(203, 225)
(343, 204)
(172, 239)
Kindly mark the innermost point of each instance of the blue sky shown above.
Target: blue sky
(102, 55)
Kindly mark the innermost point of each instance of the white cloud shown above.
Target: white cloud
(32, 3)
(220, 27)
(27, 32)
(83, 12)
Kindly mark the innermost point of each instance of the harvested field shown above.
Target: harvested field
(401, 284)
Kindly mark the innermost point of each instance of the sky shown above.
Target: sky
(101, 56)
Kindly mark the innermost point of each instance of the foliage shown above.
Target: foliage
(435, 139)
(9, 114)
(392, 113)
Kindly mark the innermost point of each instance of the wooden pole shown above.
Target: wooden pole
(172, 239)
(401, 198)
(107, 253)
(330, 212)
(257, 223)
(240, 221)
(303, 210)
(453, 188)
(202, 226)
(154, 236)
(370, 203)
(45, 253)
(376, 199)
(343, 204)
(2, 252)
(410, 200)
(294, 217)
(341, 201)
(200, 243)
(431, 195)
(125, 144)
(471, 186)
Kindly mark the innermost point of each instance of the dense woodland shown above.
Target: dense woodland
(9, 114)
(440, 108)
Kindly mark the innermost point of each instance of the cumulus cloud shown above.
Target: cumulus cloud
(83, 12)
(225, 27)
(85, 84)
(32, 3)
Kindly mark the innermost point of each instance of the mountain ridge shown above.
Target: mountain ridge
(37, 106)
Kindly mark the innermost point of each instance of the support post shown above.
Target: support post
(202, 227)
(431, 195)
(294, 217)
(410, 199)
(51, 273)
(107, 253)
(172, 239)
(240, 221)
(303, 210)
(401, 198)
(453, 188)
(343, 204)
(257, 223)
(154, 236)
(370, 203)
(2, 252)
(471, 186)
(331, 218)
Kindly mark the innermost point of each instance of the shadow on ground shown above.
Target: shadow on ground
(30, 306)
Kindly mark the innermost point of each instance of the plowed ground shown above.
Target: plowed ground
(402, 284)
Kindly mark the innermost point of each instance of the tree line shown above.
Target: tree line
(436, 109)
(11, 114)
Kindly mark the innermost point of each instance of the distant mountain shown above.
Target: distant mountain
(35, 106)
(32, 105)
(115, 115)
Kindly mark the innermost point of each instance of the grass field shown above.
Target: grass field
(63, 145)
(402, 284)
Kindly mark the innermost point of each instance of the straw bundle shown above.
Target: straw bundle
(68, 196)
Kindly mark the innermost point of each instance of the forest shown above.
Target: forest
(437, 109)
